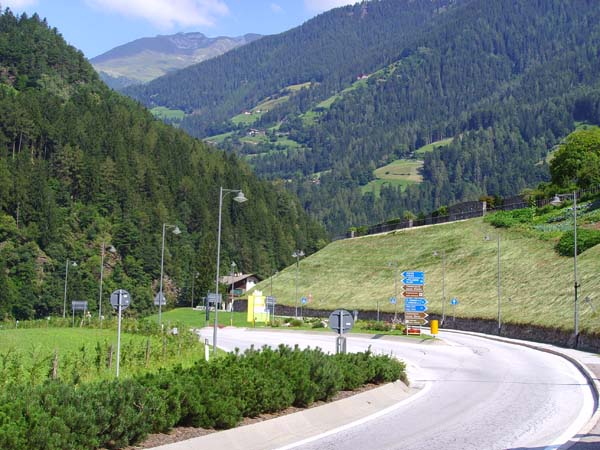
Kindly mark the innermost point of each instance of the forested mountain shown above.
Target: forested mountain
(505, 79)
(148, 58)
(82, 167)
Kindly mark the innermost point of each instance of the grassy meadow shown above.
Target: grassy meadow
(536, 283)
(431, 147)
(401, 172)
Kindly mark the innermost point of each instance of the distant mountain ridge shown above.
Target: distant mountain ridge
(148, 58)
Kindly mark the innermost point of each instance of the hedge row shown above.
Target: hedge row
(218, 394)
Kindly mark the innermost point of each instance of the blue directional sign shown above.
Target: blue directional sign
(303, 300)
(415, 308)
(413, 274)
(393, 300)
(415, 301)
(417, 281)
(454, 301)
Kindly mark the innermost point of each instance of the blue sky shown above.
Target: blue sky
(96, 26)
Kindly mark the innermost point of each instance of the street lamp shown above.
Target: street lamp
(175, 231)
(297, 254)
(557, 201)
(194, 277)
(397, 264)
(240, 198)
(112, 250)
(487, 238)
(233, 266)
(74, 264)
(435, 253)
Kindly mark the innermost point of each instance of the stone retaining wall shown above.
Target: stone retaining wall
(555, 336)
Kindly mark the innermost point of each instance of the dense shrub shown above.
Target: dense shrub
(507, 219)
(585, 239)
(58, 415)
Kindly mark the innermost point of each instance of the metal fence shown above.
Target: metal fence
(465, 210)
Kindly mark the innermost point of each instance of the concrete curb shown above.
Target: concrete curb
(285, 431)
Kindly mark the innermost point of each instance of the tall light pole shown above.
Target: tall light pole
(74, 264)
(557, 201)
(194, 277)
(297, 254)
(397, 265)
(233, 266)
(240, 198)
(575, 282)
(112, 250)
(487, 238)
(176, 231)
(435, 253)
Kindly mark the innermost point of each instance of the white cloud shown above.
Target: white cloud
(276, 8)
(166, 14)
(326, 5)
(17, 4)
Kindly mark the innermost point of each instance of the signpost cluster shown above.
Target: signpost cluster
(415, 305)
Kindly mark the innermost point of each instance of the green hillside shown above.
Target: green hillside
(536, 283)
(84, 168)
(501, 82)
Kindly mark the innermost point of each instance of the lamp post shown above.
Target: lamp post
(112, 250)
(297, 254)
(176, 231)
(233, 266)
(194, 277)
(557, 201)
(575, 282)
(240, 198)
(487, 238)
(397, 264)
(435, 253)
(74, 264)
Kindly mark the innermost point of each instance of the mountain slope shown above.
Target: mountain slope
(82, 168)
(331, 50)
(145, 59)
(504, 80)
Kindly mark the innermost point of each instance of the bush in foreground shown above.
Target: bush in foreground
(58, 415)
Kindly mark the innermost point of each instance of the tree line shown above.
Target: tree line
(83, 168)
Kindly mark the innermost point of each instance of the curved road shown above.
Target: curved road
(475, 393)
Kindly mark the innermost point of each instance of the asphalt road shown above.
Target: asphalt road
(474, 393)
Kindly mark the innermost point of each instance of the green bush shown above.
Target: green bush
(375, 325)
(59, 415)
(296, 323)
(508, 219)
(585, 239)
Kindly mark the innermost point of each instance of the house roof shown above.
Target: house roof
(228, 279)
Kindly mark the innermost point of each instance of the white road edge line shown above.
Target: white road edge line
(359, 421)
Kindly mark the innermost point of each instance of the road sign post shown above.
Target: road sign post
(415, 304)
(340, 321)
(78, 306)
(454, 302)
(120, 300)
(270, 302)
